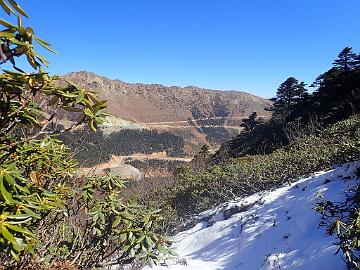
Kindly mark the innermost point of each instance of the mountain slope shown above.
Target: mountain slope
(158, 103)
(268, 230)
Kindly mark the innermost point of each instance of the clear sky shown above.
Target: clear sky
(248, 45)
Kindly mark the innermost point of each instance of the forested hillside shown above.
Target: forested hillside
(94, 147)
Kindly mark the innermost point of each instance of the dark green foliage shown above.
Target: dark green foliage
(201, 159)
(98, 228)
(347, 60)
(213, 128)
(48, 215)
(217, 135)
(97, 148)
(246, 175)
(343, 220)
(212, 125)
(336, 97)
(308, 133)
(250, 122)
(26, 189)
(338, 90)
(289, 94)
(264, 138)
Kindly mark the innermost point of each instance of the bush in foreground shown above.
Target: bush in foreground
(48, 216)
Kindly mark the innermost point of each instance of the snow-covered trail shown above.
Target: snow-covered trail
(275, 230)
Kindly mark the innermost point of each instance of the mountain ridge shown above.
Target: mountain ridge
(140, 102)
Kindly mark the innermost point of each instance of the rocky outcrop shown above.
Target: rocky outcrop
(124, 171)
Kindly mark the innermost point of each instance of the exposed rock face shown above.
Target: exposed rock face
(124, 171)
(157, 103)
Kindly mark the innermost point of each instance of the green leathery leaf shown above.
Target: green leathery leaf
(148, 240)
(32, 61)
(140, 239)
(116, 222)
(6, 195)
(14, 255)
(122, 237)
(18, 8)
(19, 216)
(126, 248)
(6, 24)
(148, 225)
(42, 59)
(9, 178)
(23, 231)
(69, 95)
(94, 98)
(19, 21)
(42, 42)
(17, 42)
(45, 45)
(80, 97)
(8, 36)
(11, 238)
(88, 112)
(6, 7)
(22, 189)
(19, 222)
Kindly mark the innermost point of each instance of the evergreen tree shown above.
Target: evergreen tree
(289, 94)
(347, 60)
(250, 122)
(338, 93)
(201, 160)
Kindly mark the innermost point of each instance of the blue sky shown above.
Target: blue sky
(247, 45)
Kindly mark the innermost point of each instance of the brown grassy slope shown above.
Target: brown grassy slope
(158, 103)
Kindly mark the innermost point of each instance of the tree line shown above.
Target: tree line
(92, 148)
(336, 94)
(296, 110)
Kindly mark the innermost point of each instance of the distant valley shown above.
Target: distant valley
(150, 122)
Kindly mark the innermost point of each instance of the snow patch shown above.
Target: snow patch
(267, 230)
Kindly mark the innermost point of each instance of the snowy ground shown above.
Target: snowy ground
(275, 230)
